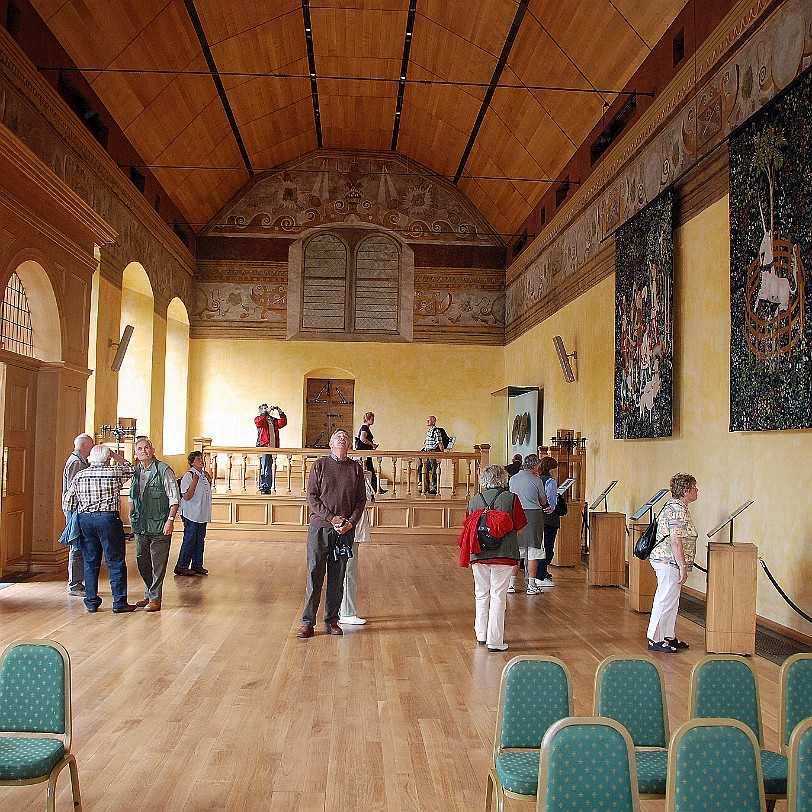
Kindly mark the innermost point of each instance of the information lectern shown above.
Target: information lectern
(730, 626)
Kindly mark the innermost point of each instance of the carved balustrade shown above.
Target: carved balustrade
(236, 469)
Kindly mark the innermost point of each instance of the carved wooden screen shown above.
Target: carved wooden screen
(329, 407)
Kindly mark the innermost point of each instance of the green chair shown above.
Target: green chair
(535, 692)
(631, 690)
(35, 703)
(795, 687)
(799, 783)
(725, 686)
(587, 765)
(714, 765)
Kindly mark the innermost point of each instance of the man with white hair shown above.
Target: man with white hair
(77, 461)
(336, 495)
(94, 493)
(154, 503)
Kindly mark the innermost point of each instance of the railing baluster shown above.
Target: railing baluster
(228, 473)
(290, 472)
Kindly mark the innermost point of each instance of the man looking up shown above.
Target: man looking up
(336, 495)
(154, 501)
(268, 437)
(76, 462)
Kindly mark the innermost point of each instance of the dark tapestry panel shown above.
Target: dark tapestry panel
(644, 361)
(770, 243)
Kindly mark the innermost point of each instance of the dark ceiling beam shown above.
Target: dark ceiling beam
(404, 67)
(497, 73)
(218, 82)
(311, 67)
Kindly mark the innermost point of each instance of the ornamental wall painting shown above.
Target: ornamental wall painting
(644, 366)
(770, 244)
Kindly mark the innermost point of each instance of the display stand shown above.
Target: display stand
(567, 551)
(730, 624)
(607, 532)
(642, 578)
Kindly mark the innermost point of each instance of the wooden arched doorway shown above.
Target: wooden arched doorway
(329, 402)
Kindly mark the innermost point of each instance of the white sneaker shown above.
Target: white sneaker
(352, 620)
(511, 589)
(533, 590)
(546, 583)
(503, 647)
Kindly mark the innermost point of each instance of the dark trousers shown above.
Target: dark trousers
(103, 534)
(320, 560)
(370, 466)
(549, 547)
(430, 485)
(266, 472)
(191, 550)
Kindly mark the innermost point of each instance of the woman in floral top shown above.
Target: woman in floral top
(672, 559)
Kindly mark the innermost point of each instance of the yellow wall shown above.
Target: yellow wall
(401, 383)
(771, 467)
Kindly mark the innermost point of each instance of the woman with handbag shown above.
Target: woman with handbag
(672, 559)
(364, 440)
(552, 521)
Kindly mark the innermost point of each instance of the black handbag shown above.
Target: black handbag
(647, 541)
(561, 508)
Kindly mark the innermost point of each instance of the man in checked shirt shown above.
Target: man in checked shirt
(94, 492)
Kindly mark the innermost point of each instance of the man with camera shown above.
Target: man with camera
(268, 437)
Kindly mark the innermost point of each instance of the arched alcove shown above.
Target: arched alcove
(329, 397)
(45, 321)
(135, 377)
(176, 380)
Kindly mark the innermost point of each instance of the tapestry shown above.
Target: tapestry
(770, 243)
(644, 361)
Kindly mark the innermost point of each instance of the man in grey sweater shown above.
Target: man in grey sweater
(336, 495)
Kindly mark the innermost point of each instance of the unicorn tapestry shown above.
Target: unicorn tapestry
(644, 275)
(770, 241)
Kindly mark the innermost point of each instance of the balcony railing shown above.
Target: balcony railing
(236, 469)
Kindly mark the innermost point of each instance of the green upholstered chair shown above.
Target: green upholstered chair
(799, 783)
(535, 692)
(35, 717)
(587, 765)
(725, 686)
(631, 690)
(714, 766)
(795, 703)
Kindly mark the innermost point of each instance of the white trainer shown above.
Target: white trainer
(533, 590)
(546, 583)
(511, 589)
(503, 647)
(352, 620)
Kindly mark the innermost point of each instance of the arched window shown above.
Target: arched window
(377, 277)
(324, 292)
(17, 333)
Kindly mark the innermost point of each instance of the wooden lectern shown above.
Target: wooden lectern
(567, 551)
(730, 625)
(642, 578)
(607, 534)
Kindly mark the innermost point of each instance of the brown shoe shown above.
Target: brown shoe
(305, 631)
(128, 607)
(333, 628)
(142, 603)
(153, 606)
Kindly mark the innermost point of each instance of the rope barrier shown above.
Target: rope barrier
(782, 593)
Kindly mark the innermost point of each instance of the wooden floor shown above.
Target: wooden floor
(213, 704)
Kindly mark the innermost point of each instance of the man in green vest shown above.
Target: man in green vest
(154, 502)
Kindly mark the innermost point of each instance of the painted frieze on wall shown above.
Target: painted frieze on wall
(354, 188)
(770, 254)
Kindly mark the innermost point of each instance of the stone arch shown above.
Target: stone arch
(176, 378)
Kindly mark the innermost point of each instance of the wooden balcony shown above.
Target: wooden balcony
(239, 510)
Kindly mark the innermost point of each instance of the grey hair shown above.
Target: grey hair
(80, 439)
(98, 454)
(145, 439)
(493, 476)
(530, 462)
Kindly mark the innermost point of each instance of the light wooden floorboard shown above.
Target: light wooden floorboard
(213, 704)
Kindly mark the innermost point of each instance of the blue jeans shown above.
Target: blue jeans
(191, 550)
(266, 472)
(103, 533)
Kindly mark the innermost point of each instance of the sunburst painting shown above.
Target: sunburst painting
(770, 243)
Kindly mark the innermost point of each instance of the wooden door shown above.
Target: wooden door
(328, 407)
(16, 496)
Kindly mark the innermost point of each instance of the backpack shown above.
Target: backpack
(647, 541)
(445, 438)
(488, 541)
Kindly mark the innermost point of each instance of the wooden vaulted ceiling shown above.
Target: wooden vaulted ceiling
(211, 91)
